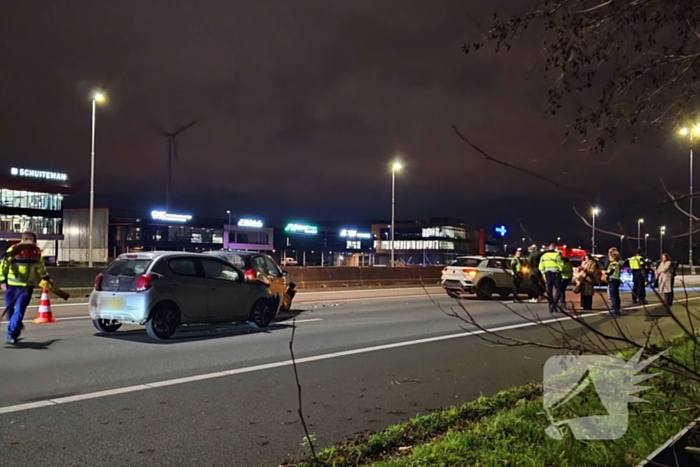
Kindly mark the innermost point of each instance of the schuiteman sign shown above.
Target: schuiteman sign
(46, 175)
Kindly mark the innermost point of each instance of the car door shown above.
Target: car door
(278, 283)
(189, 287)
(226, 291)
(497, 270)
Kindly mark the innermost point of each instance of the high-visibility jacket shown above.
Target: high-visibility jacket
(22, 265)
(515, 265)
(567, 271)
(551, 261)
(636, 262)
(613, 271)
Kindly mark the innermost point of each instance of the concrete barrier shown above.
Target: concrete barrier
(305, 278)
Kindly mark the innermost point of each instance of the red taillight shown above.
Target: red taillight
(144, 282)
(444, 270)
(98, 282)
(250, 275)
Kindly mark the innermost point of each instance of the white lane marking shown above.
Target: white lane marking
(315, 358)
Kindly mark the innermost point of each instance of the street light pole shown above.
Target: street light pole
(228, 230)
(95, 98)
(646, 245)
(639, 232)
(622, 237)
(396, 166)
(661, 241)
(595, 212)
(690, 132)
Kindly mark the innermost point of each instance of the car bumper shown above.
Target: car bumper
(122, 307)
(453, 285)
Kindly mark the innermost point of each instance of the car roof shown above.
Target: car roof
(153, 254)
(236, 252)
(481, 258)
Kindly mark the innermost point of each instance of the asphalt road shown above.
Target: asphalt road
(226, 395)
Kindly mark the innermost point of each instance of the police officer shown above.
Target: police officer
(613, 274)
(536, 279)
(567, 275)
(639, 277)
(516, 265)
(20, 268)
(551, 265)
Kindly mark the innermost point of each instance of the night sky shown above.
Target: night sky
(300, 107)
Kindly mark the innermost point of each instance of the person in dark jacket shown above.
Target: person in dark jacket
(536, 278)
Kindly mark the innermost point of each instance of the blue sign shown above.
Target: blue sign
(502, 231)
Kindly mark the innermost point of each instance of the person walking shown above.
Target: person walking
(586, 281)
(567, 275)
(613, 274)
(21, 268)
(639, 277)
(664, 275)
(536, 278)
(516, 265)
(551, 265)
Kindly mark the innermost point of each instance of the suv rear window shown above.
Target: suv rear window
(467, 262)
(120, 276)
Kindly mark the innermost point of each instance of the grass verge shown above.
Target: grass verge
(508, 429)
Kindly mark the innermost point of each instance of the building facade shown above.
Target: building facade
(33, 200)
(325, 244)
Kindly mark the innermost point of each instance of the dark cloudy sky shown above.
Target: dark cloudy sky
(300, 106)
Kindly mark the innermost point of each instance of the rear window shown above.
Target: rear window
(236, 260)
(120, 276)
(467, 262)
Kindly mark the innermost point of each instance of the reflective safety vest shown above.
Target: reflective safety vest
(636, 262)
(613, 271)
(515, 265)
(567, 271)
(551, 262)
(22, 265)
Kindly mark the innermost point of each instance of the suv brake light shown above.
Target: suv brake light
(144, 282)
(250, 275)
(98, 281)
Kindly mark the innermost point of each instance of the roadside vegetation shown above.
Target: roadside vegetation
(508, 429)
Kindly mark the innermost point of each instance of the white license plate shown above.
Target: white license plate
(112, 304)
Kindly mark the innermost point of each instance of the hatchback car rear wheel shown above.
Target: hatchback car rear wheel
(163, 322)
(106, 325)
(261, 314)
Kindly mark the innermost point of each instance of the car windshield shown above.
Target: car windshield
(467, 262)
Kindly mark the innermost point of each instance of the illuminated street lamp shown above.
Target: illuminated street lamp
(661, 241)
(690, 132)
(97, 97)
(594, 212)
(395, 167)
(228, 229)
(622, 237)
(639, 232)
(646, 245)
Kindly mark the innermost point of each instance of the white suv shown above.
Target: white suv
(483, 276)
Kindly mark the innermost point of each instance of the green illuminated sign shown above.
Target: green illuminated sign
(300, 228)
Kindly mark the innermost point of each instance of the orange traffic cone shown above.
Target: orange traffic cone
(44, 316)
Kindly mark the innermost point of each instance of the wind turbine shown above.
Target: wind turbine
(172, 154)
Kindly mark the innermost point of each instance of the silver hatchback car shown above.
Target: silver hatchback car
(163, 290)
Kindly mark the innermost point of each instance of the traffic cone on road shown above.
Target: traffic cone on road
(44, 315)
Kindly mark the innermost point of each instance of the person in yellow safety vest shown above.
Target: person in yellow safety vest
(639, 277)
(21, 268)
(551, 265)
(567, 275)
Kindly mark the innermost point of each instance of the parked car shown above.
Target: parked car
(163, 290)
(263, 267)
(483, 276)
(289, 262)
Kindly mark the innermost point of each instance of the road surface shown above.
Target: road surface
(226, 396)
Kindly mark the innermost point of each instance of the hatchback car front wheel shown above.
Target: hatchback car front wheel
(261, 314)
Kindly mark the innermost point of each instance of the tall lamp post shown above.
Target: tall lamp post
(228, 230)
(594, 212)
(689, 132)
(661, 241)
(97, 97)
(639, 232)
(622, 237)
(646, 245)
(395, 167)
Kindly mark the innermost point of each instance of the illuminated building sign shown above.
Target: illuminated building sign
(43, 174)
(249, 223)
(166, 216)
(354, 234)
(502, 231)
(300, 228)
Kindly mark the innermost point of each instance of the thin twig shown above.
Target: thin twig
(300, 410)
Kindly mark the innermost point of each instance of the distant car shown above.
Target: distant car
(263, 267)
(483, 276)
(289, 262)
(163, 290)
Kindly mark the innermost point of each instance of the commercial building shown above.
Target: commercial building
(33, 200)
(437, 241)
(325, 243)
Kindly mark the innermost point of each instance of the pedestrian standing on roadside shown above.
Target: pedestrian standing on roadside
(664, 275)
(551, 265)
(639, 277)
(567, 275)
(536, 278)
(587, 280)
(516, 265)
(613, 274)
(21, 268)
